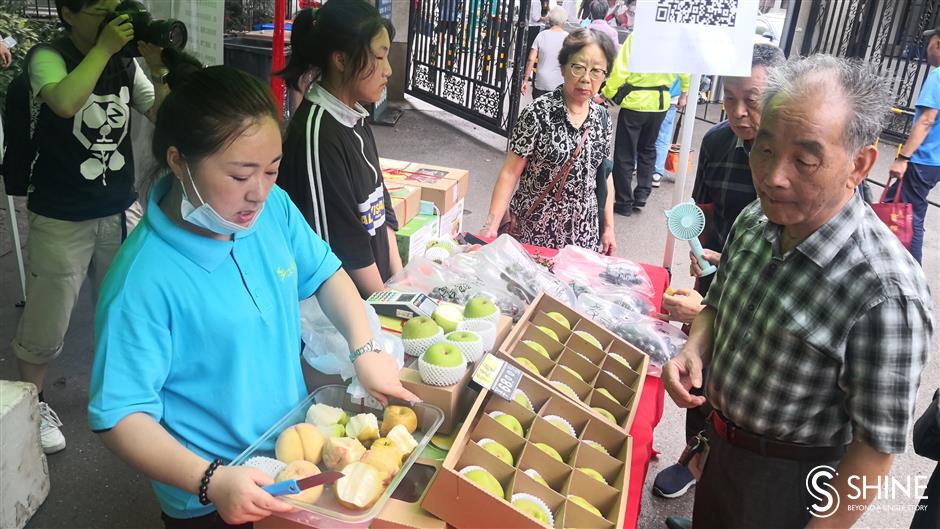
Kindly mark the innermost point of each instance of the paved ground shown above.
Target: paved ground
(92, 489)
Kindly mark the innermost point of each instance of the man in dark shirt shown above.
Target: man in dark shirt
(723, 185)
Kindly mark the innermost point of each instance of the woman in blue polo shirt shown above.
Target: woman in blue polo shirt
(198, 327)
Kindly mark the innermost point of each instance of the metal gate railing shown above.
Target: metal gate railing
(468, 57)
(885, 33)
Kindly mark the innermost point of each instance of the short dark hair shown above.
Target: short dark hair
(580, 39)
(207, 109)
(348, 26)
(767, 55)
(599, 9)
(74, 6)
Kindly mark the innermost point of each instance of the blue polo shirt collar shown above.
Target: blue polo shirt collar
(205, 252)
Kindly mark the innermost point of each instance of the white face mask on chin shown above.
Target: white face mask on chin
(206, 217)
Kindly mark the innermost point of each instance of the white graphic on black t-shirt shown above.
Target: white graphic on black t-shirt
(100, 126)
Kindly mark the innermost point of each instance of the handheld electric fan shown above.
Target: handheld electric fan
(686, 222)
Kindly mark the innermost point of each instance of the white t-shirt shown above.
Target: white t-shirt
(48, 67)
(548, 45)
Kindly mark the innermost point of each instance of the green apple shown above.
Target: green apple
(561, 424)
(497, 449)
(532, 507)
(560, 318)
(593, 473)
(606, 393)
(509, 422)
(418, 328)
(534, 474)
(550, 451)
(537, 347)
(522, 399)
(573, 372)
(463, 336)
(589, 338)
(480, 307)
(448, 315)
(565, 388)
(607, 415)
(578, 500)
(443, 354)
(483, 479)
(549, 332)
(596, 445)
(526, 363)
(620, 359)
(444, 244)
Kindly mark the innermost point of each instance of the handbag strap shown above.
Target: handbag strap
(560, 178)
(897, 192)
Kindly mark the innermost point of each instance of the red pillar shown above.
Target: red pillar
(277, 54)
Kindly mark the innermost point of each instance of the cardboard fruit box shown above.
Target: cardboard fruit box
(445, 186)
(588, 375)
(596, 444)
(406, 201)
(455, 400)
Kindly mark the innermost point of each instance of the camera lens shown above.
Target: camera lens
(176, 35)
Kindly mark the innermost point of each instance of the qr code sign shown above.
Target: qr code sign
(701, 12)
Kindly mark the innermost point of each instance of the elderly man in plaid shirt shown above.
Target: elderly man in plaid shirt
(819, 323)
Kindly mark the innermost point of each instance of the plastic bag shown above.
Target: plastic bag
(657, 338)
(327, 351)
(601, 272)
(513, 267)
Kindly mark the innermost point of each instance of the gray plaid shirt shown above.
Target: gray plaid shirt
(824, 342)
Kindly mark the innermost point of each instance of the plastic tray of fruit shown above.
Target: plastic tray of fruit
(328, 431)
(581, 359)
(544, 457)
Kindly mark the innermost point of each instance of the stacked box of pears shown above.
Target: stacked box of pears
(558, 453)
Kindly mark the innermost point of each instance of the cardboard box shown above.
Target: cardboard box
(406, 200)
(445, 186)
(455, 400)
(413, 238)
(397, 514)
(461, 503)
(595, 368)
(452, 221)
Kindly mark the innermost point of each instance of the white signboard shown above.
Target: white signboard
(204, 23)
(713, 37)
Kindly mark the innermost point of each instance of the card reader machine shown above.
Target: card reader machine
(404, 305)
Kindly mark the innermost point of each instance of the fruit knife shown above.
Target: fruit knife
(294, 486)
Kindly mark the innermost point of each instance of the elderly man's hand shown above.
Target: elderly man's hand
(6, 58)
(898, 167)
(682, 306)
(681, 374)
(711, 256)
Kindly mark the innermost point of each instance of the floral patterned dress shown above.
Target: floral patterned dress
(546, 139)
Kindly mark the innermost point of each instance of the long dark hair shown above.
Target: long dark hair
(347, 26)
(207, 109)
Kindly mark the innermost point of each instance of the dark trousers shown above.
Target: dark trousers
(918, 181)
(929, 517)
(741, 489)
(635, 146)
(209, 521)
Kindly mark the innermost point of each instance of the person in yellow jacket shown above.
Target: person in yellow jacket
(643, 99)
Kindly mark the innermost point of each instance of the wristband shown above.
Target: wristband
(370, 346)
(903, 157)
(204, 483)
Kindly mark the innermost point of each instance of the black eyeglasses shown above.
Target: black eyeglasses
(579, 70)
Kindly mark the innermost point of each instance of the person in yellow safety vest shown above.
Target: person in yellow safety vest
(643, 99)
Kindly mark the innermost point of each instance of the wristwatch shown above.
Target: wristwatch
(370, 346)
(160, 76)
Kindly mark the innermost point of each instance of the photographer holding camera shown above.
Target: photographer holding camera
(82, 178)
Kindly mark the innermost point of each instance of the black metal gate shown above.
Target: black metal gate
(468, 57)
(885, 33)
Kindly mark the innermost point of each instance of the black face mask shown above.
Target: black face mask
(167, 33)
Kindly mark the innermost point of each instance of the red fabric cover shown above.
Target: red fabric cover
(277, 55)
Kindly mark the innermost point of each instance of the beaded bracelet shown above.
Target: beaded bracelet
(204, 484)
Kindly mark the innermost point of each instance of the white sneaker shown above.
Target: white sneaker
(657, 178)
(49, 434)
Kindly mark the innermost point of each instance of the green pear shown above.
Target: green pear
(589, 338)
(463, 336)
(483, 479)
(561, 424)
(551, 334)
(607, 415)
(501, 452)
(605, 392)
(448, 315)
(443, 354)
(419, 328)
(596, 445)
(620, 359)
(537, 347)
(530, 507)
(522, 399)
(526, 363)
(480, 307)
(573, 373)
(550, 451)
(534, 474)
(509, 422)
(565, 388)
(594, 474)
(578, 500)
(560, 318)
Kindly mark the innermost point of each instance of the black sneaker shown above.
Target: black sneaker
(626, 211)
(678, 522)
(673, 481)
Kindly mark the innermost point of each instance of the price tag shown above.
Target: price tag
(497, 376)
